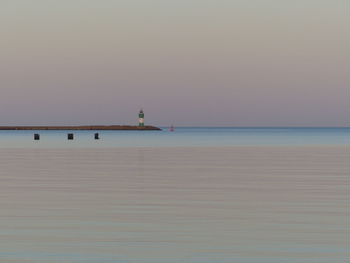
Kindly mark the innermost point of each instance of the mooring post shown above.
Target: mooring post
(36, 137)
(97, 136)
(70, 136)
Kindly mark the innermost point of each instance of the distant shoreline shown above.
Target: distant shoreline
(82, 128)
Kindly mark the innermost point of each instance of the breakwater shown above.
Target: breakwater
(84, 127)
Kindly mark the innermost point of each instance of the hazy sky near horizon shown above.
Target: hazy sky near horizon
(186, 62)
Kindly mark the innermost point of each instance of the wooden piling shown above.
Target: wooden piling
(36, 137)
(70, 136)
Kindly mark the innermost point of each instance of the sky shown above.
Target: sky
(185, 62)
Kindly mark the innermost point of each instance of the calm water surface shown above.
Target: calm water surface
(284, 197)
(181, 137)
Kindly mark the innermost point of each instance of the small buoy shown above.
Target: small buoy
(97, 136)
(70, 136)
(36, 137)
(171, 128)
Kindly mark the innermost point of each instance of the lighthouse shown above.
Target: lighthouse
(141, 119)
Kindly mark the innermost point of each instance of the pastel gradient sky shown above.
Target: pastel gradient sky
(186, 62)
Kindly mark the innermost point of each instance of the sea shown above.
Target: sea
(195, 195)
(182, 136)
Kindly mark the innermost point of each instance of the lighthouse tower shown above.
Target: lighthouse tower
(141, 119)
